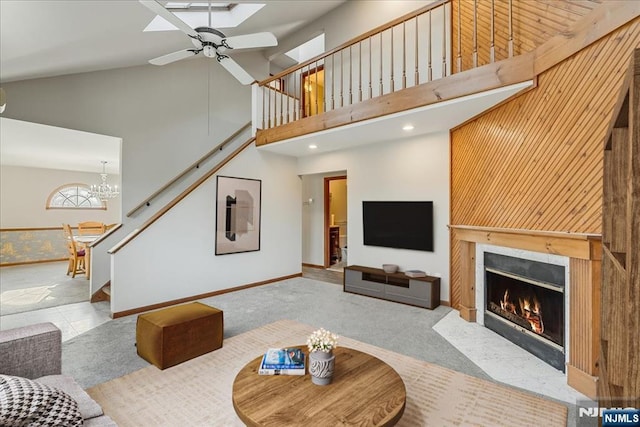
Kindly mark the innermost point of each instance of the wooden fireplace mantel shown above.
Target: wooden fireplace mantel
(584, 252)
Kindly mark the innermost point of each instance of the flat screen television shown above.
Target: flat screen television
(402, 225)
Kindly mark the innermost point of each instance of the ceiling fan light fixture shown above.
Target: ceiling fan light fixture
(209, 51)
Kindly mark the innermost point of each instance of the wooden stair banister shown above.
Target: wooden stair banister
(179, 197)
(193, 166)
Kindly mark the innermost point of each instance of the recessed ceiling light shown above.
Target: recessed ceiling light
(407, 127)
(313, 146)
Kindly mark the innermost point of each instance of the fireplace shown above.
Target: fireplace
(525, 303)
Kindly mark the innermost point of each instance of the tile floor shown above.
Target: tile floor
(504, 361)
(72, 319)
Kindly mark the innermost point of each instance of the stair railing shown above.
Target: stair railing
(217, 149)
(408, 51)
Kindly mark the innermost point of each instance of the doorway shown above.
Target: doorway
(313, 91)
(335, 222)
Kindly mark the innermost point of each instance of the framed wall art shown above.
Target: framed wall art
(237, 215)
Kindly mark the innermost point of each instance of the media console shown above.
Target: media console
(398, 287)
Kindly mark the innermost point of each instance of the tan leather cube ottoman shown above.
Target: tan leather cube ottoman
(174, 335)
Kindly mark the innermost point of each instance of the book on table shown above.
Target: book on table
(282, 361)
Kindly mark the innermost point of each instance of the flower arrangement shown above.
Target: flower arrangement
(322, 340)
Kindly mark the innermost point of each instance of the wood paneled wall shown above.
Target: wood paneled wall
(535, 163)
(619, 382)
(533, 23)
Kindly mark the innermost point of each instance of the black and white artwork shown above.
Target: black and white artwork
(237, 215)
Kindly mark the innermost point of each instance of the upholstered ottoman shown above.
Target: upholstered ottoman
(174, 335)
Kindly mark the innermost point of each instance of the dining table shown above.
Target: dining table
(84, 241)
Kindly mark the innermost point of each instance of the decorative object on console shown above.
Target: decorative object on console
(415, 273)
(389, 268)
(321, 358)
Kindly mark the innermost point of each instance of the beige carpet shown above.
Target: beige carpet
(198, 392)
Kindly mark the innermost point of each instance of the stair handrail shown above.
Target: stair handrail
(179, 197)
(193, 166)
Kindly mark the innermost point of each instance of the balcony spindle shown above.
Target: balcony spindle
(350, 76)
(416, 76)
(475, 33)
(333, 79)
(492, 48)
(404, 56)
(360, 72)
(510, 30)
(370, 76)
(381, 87)
(341, 79)
(444, 41)
(297, 91)
(281, 94)
(269, 107)
(263, 105)
(288, 101)
(392, 73)
(459, 38)
(429, 68)
(317, 90)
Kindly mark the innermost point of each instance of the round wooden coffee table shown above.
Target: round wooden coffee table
(365, 391)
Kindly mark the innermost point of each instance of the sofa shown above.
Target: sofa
(32, 387)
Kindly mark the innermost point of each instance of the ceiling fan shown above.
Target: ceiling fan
(211, 42)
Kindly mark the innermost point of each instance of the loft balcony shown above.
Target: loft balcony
(438, 67)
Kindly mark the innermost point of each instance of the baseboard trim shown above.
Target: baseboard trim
(201, 296)
(445, 303)
(582, 381)
(322, 267)
(11, 264)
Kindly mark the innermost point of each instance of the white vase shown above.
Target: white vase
(321, 365)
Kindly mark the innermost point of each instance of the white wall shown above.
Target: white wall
(24, 192)
(415, 168)
(166, 116)
(175, 258)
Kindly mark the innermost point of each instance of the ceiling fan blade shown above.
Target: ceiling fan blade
(251, 40)
(158, 9)
(173, 57)
(235, 69)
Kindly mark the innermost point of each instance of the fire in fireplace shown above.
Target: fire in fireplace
(525, 304)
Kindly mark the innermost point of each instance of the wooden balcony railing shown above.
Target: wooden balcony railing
(443, 38)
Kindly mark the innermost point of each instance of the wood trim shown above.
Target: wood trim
(468, 309)
(603, 20)
(179, 197)
(487, 77)
(201, 296)
(584, 316)
(583, 382)
(573, 245)
(193, 166)
(12, 264)
(327, 216)
(319, 267)
(100, 294)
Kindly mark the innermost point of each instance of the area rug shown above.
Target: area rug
(198, 392)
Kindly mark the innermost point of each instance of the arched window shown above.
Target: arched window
(74, 196)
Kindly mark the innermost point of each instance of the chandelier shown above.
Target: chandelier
(104, 191)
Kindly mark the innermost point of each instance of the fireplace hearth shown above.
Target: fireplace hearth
(525, 303)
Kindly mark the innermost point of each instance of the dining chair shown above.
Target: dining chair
(91, 228)
(76, 257)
